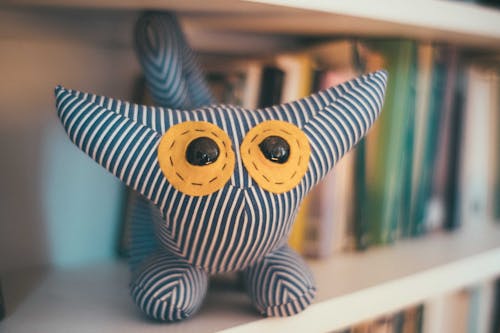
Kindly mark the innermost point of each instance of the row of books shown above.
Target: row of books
(474, 309)
(409, 320)
(426, 164)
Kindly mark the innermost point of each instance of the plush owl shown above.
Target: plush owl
(219, 185)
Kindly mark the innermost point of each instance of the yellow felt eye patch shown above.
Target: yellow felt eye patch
(272, 176)
(192, 179)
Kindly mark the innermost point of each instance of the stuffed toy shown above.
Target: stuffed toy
(219, 186)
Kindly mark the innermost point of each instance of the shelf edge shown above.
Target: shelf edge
(346, 310)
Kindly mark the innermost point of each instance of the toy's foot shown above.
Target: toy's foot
(281, 284)
(167, 288)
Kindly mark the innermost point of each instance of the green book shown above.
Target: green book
(424, 184)
(423, 95)
(403, 213)
(389, 146)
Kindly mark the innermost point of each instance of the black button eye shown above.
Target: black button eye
(275, 149)
(202, 151)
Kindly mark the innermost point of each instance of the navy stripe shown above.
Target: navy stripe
(239, 227)
(128, 149)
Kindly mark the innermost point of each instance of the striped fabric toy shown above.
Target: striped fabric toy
(220, 185)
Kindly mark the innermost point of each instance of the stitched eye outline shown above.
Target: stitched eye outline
(271, 176)
(195, 180)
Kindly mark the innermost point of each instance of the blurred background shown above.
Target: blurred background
(421, 192)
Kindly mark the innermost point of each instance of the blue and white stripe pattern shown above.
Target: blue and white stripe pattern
(281, 284)
(168, 288)
(241, 224)
(175, 80)
(170, 66)
(239, 227)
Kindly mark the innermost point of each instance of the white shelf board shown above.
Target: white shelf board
(114, 29)
(351, 288)
(463, 23)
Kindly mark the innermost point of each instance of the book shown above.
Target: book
(298, 75)
(495, 322)
(331, 201)
(398, 322)
(401, 214)
(367, 61)
(389, 145)
(252, 87)
(419, 318)
(362, 327)
(494, 140)
(359, 230)
(475, 150)
(368, 216)
(444, 170)
(271, 86)
(442, 84)
(423, 96)
(453, 153)
(481, 307)
(330, 211)
(235, 82)
(383, 324)
(410, 320)
(407, 320)
(447, 313)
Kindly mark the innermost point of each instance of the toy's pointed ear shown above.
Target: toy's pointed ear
(126, 148)
(158, 119)
(348, 112)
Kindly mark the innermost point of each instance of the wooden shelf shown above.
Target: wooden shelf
(352, 287)
(463, 23)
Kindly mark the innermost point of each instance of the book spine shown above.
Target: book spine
(495, 322)
(494, 139)
(388, 143)
(272, 84)
(252, 85)
(437, 212)
(404, 212)
(481, 307)
(451, 220)
(433, 124)
(331, 205)
(475, 159)
(360, 225)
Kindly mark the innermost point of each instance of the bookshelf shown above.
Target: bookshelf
(432, 19)
(95, 297)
